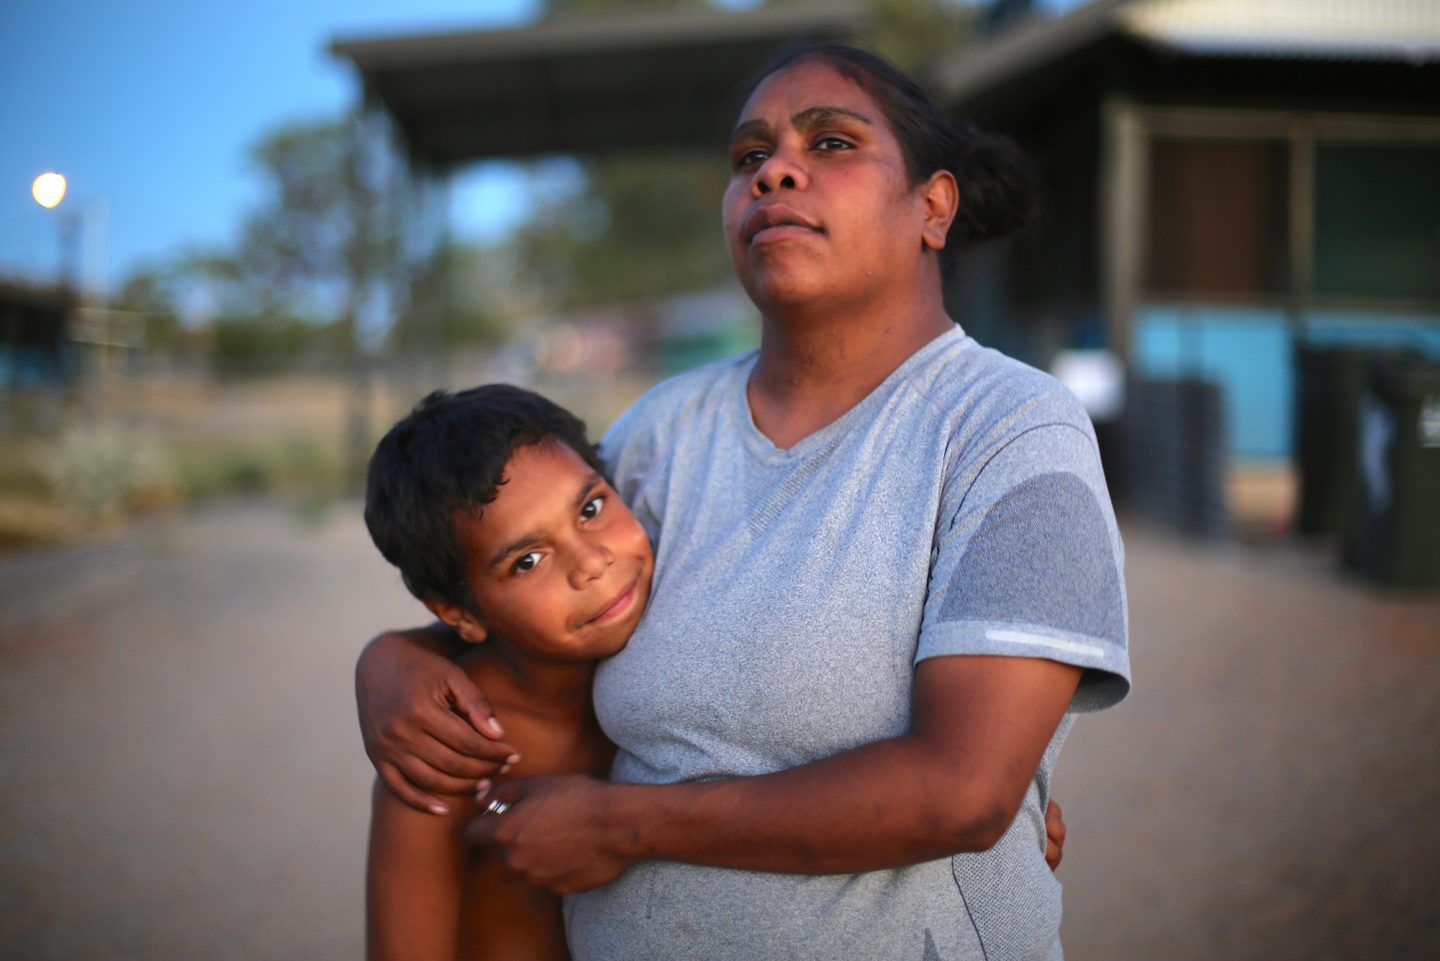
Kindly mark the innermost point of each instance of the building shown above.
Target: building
(1226, 180)
(35, 345)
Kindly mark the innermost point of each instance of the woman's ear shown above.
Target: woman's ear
(459, 619)
(942, 201)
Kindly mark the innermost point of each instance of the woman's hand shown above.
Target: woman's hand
(554, 832)
(1054, 834)
(954, 782)
(427, 729)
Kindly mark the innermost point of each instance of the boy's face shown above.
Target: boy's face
(557, 564)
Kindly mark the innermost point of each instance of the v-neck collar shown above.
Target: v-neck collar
(764, 449)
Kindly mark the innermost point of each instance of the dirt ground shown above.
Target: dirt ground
(180, 774)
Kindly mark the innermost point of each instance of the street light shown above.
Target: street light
(48, 189)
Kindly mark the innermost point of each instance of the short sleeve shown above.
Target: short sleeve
(1028, 562)
(628, 451)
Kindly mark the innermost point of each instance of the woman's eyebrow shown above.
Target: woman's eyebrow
(759, 129)
(806, 120)
(812, 117)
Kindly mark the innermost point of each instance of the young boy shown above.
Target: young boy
(496, 510)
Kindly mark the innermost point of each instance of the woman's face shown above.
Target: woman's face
(819, 209)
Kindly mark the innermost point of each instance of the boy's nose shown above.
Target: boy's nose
(591, 560)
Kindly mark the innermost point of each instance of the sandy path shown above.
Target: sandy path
(180, 775)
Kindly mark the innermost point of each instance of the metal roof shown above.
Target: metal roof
(1381, 30)
(581, 83)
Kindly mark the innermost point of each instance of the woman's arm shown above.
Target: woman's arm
(413, 881)
(954, 782)
(427, 728)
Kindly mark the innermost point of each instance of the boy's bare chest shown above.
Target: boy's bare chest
(550, 747)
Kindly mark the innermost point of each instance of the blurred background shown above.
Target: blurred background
(238, 240)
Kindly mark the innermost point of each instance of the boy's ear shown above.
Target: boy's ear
(459, 619)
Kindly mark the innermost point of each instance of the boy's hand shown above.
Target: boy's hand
(552, 833)
(1054, 834)
(427, 729)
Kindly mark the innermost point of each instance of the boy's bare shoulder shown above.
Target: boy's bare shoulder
(548, 743)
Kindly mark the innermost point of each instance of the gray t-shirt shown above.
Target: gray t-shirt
(958, 509)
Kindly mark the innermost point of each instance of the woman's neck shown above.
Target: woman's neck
(812, 370)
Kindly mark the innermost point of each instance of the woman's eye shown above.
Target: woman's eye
(750, 158)
(592, 510)
(527, 562)
(832, 143)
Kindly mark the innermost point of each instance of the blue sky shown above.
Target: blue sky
(148, 107)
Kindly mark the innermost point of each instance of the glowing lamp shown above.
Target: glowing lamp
(48, 189)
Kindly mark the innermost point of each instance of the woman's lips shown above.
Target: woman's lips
(774, 222)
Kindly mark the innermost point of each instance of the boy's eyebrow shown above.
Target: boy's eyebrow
(806, 120)
(587, 488)
(525, 540)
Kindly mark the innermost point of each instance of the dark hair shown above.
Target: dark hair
(446, 456)
(998, 193)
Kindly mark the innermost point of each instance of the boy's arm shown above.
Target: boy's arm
(413, 880)
(427, 728)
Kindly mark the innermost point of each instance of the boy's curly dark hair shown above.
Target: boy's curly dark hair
(446, 456)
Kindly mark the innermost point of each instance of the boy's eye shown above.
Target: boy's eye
(592, 510)
(527, 562)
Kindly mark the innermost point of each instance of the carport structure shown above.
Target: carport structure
(585, 84)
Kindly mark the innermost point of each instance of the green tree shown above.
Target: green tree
(644, 226)
(315, 256)
(914, 32)
(573, 7)
(149, 292)
(324, 234)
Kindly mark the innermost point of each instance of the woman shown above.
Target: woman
(887, 576)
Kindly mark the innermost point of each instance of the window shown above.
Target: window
(1217, 220)
(1377, 221)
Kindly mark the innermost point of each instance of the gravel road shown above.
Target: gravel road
(180, 775)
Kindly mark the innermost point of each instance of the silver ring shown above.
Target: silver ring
(496, 806)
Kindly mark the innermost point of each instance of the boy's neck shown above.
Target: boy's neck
(553, 689)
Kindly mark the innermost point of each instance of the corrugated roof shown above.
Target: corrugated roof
(1406, 30)
(578, 83)
(1385, 30)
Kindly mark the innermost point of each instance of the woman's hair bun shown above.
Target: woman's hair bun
(999, 193)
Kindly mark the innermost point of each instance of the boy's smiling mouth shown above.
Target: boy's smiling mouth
(617, 606)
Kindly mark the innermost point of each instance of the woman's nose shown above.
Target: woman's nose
(779, 171)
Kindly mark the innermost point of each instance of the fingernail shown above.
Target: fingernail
(482, 787)
(513, 759)
(495, 723)
(504, 769)
(439, 809)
